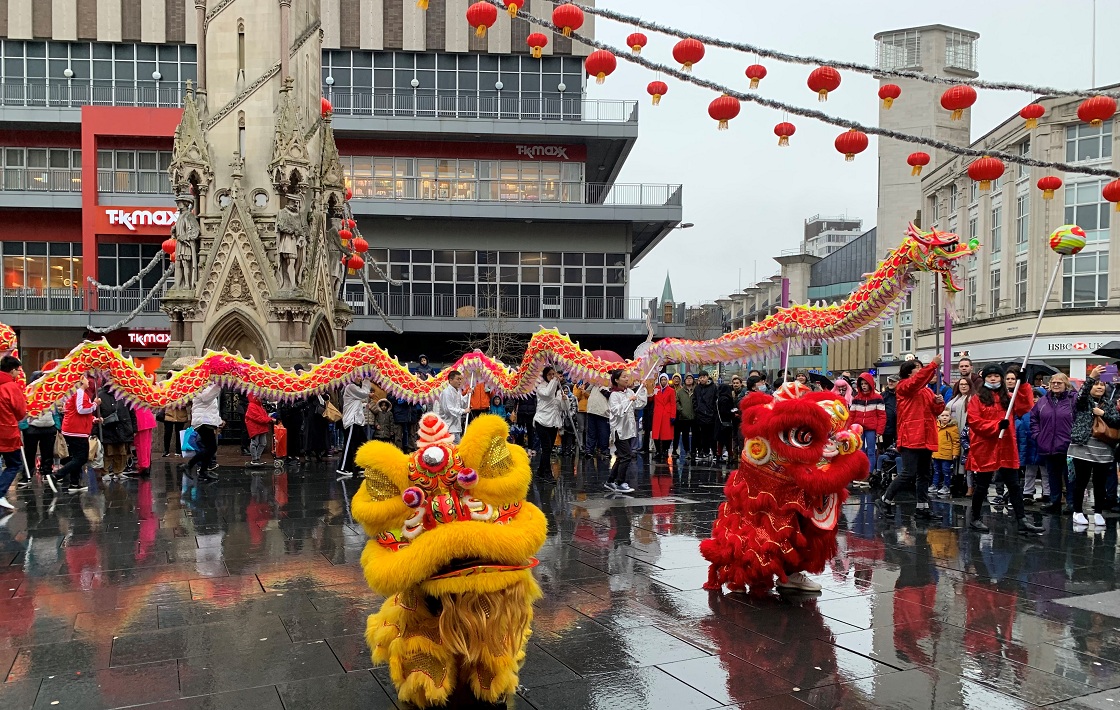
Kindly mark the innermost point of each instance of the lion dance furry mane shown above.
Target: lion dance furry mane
(452, 545)
(783, 502)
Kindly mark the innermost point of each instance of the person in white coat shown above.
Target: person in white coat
(550, 415)
(355, 400)
(206, 418)
(453, 404)
(624, 402)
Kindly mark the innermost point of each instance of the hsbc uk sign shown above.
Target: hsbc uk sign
(131, 219)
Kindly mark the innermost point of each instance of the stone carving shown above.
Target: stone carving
(291, 243)
(290, 166)
(187, 232)
(241, 233)
(335, 255)
(191, 153)
(236, 289)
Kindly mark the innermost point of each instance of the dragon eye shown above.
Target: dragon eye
(799, 437)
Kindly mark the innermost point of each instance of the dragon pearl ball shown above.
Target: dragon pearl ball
(1068, 239)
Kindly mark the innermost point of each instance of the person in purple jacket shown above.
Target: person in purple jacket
(1051, 426)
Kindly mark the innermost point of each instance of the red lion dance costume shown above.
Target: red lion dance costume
(783, 503)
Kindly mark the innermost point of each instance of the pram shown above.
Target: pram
(888, 469)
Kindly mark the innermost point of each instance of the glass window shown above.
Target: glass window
(994, 293)
(906, 339)
(973, 191)
(1022, 223)
(888, 341)
(997, 231)
(1086, 142)
(1024, 150)
(1086, 208)
(953, 199)
(970, 298)
(1020, 286)
(1085, 280)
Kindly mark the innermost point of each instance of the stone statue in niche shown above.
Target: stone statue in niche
(336, 253)
(291, 243)
(187, 232)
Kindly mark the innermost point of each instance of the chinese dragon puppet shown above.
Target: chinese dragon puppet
(876, 299)
(783, 502)
(452, 545)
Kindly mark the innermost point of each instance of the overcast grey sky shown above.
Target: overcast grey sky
(749, 198)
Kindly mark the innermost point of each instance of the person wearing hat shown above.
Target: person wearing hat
(186, 233)
(993, 449)
(918, 408)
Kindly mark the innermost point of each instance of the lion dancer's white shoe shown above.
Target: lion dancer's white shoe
(799, 582)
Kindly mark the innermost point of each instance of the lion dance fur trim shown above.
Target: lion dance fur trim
(452, 545)
(783, 502)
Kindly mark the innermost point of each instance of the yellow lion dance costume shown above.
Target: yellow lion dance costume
(452, 545)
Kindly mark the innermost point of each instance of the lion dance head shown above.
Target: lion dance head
(783, 503)
(452, 545)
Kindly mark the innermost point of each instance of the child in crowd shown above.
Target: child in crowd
(948, 449)
(258, 424)
(498, 408)
(383, 421)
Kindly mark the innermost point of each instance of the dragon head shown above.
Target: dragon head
(449, 519)
(938, 252)
(804, 438)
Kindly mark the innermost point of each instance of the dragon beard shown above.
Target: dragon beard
(765, 529)
(435, 646)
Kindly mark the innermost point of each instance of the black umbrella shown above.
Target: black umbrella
(824, 382)
(1111, 351)
(1033, 369)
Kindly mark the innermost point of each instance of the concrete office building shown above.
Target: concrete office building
(824, 235)
(1004, 283)
(483, 178)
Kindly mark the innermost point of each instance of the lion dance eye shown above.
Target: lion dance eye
(799, 437)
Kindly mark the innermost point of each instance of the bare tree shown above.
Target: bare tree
(704, 322)
(495, 338)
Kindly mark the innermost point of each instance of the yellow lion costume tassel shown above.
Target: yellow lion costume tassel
(452, 545)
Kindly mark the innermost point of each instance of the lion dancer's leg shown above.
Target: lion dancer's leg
(489, 632)
(406, 635)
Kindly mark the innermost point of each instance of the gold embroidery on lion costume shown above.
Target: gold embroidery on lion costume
(452, 545)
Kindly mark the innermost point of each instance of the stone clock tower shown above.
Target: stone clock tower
(260, 187)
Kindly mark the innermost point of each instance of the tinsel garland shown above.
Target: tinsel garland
(148, 298)
(824, 117)
(836, 64)
(373, 303)
(157, 259)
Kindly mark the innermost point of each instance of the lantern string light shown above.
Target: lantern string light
(850, 66)
(144, 302)
(156, 261)
(642, 60)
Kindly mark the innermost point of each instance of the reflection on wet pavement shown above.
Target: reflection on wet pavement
(248, 593)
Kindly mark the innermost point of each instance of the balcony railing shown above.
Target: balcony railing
(505, 191)
(462, 105)
(74, 93)
(536, 308)
(70, 300)
(40, 180)
(133, 182)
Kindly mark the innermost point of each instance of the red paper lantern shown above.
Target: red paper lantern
(1032, 112)
(537, 41)
(636, 41)
(985, 170)
(657, 89)
(349, 194)
(422, 4)
(783, 131)
(1048, 184)
(1097, 109)
(957, 99)
(723, 109)
(850, 143)
(1111, 192)
(756, 73)
(688, 52)
(568, 18)
(325, 107)
(600, 64)
(888, 93)
(361, 245)
(482, 16)
(345, 234)
(916, 161)
(350, 224)
(169, 246)
(512, 6)
(823, 80)
(356, 262)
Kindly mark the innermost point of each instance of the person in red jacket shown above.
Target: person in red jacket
(918, 408)
(258, 423)
(13, 408)
(869, 411)
(988, 453)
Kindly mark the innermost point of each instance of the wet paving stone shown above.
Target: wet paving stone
(248, 594)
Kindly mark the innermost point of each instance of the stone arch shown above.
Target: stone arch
(236, 332)
(322, 340)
